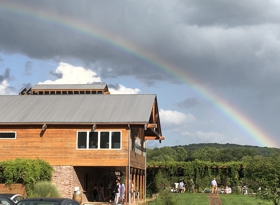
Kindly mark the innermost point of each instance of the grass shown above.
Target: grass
(186, 198)
(202, 199)
(234, 199)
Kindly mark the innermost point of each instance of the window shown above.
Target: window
(7, 135)
(104, 140)
(93, 140)
(115, 140)
(82, 139)
(98, 140)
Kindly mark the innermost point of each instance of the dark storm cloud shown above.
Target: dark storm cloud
(230, 13)
(219, 43)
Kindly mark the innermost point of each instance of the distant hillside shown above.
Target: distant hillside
(264, 151)
(209, 152)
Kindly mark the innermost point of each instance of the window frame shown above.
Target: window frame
(87, 147)
(8, 138)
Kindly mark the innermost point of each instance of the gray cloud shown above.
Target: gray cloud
(188, 103)
(6, 76)
(28, 67)
(230, 13)
(57, 75)
(114, 86)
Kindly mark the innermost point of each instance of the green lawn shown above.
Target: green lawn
(202, 199)
(233, 199)
(191, 199)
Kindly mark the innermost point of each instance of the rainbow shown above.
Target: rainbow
(91, 31)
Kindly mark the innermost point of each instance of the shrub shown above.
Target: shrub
(26, 171)
(44, 189)
(165, 198)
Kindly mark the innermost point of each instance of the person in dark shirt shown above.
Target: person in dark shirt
(95, 192)
(117, 192)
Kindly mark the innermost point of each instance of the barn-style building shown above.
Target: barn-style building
(88, 135)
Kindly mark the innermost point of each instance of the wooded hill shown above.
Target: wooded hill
(212, 152)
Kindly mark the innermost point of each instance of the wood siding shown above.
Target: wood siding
(57, 145)
(137, 160)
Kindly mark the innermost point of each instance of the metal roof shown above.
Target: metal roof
(69, 86)
(133, 108)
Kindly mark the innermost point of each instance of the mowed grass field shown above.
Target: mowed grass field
(234, 199)
(202, 199)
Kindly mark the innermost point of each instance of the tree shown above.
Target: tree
(210, 154)
(181, 154)
(265, 172)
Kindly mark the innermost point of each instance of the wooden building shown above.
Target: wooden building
(88, 135)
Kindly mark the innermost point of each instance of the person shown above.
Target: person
(101, 192)
(214, 186)
(176, 186)
(132, 191)
(228, 190)
(117, 192)
(95, 192)
(122, 192)
(181, 187)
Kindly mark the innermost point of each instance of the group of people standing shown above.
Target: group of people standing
(119, 192)
(179, 187)
(98, 192)
(214, 188)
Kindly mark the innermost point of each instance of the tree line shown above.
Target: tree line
(212, 152)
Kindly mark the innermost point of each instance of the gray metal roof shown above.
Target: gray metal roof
(69, 86)
(111, 108)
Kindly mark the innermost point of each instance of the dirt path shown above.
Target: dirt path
(214, 199)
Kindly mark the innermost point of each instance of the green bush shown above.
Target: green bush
(26, 171)
(165, 198)
(44, 189)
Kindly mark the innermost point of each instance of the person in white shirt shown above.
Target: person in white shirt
(176, 186)
(214, 186)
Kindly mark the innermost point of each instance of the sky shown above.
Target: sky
(214, 65)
